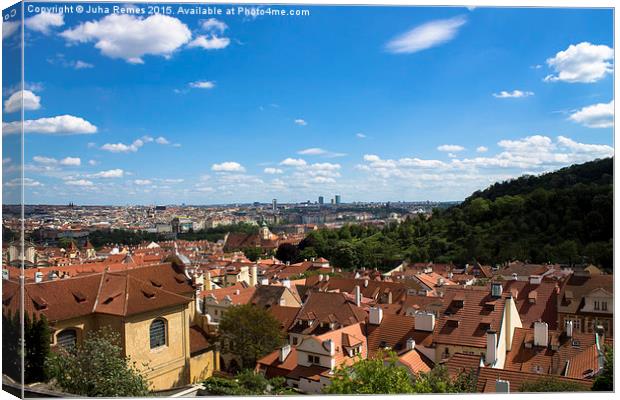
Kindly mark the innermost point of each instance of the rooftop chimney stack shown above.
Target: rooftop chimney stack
(284, 352)
(541, 334)
(568, 324)
(38, 277)
(358, 296)
(491, 355)
(286, 283)
(410, 344)
(375, 315)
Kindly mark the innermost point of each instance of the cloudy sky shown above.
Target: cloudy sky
(374, 104)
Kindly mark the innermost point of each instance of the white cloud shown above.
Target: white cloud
(425, 36)
(293, 162)
(300, 122)
(360, 135)
(71, 161)
(112, 173)
(272, 171)
(60, 125)
(30, 100)
(213, 24)
(514, 94)
(202, 84)
(450, 148)
(127, 148)
(93, 162)
(212, 42)
(79, 182)
(162, 140)
(583, 62)
(599, 115)
(44, 21)
(482, 149)
(130, 38)
(142, 182)
(9, 28)
(213, 39)
(316, 151)
(26, 182)
(82, 65)
(45, 160)
(228, 166)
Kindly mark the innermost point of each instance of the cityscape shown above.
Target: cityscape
(216, 200)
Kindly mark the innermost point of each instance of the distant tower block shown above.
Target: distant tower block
(321, 200)
(338, 200)
(274, 204)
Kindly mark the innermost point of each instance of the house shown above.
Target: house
(493, 380)
(587, 301)
(476, 320)
(151, 308)
(536, 299)
(308, 366)
(555, 352)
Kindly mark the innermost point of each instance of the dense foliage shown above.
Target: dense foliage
(604, 382)
(246, 383)
(97, 368)
(250, 333)
(550, 384)
(218, 233)
(562, 217)
(36, 346)
(383, 375)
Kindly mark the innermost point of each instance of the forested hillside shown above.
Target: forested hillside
(564, 216)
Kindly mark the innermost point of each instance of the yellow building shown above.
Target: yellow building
(151, 308)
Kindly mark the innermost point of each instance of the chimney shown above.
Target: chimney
(365, 282)
(264, 282)
(286, 283)
(568, 328)
(375, 315)
(502, 386)
(38, 277)
(320, 277)
(541, 334)
(410, 344)
(253, 275)
(358, 296)
(424, 321)
(326, 278)
(389, 297)
(491, 355)
(331, 346)
(284, 352)
(237, 291)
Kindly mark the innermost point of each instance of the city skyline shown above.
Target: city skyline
(374, 104)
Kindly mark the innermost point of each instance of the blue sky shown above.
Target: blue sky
(373, 103)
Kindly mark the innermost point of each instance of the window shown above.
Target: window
(313, 359)
(67, 338)
(604, 305)
(597, 305)
(158, 333)
(294, 340)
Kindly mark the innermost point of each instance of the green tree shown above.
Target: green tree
(604, 382)
(97, 368)
(37, 346)
(11, 348)
(287, 253)
(550, 384)
(250, 333)
(371, 376)
(246, 383)
(253, 253)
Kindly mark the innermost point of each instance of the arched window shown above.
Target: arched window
(67, 338)
(158, 333)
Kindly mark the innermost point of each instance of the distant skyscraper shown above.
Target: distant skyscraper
(274, 204)
(321, 200)
(337, 199)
